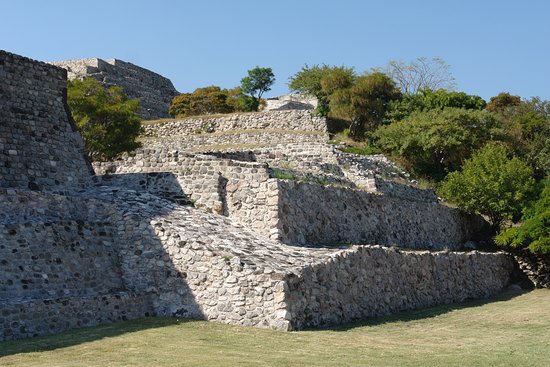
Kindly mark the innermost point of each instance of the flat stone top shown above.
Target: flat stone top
(4, 55)
(190, 226)
(216, 233)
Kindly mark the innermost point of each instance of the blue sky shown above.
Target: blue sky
(492, 46)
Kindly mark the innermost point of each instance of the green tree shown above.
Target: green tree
(503, 101)
(107, 120)
(534, 232)
(258, 81)
(491, 184)
(436, 142)
(203, 101)
(320, 81)
(427, 99)
(527, 132)
(365, 103)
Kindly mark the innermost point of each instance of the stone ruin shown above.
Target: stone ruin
(290, 102)
(154, 91)
(251, 219)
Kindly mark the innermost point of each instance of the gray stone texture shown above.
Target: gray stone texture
(39, 145)
(77, 250)
(154, 91)
(290, 102)
(270, 120)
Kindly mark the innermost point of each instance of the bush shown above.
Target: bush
(436, 142)
(426, 100)
(321, 81)
(534, 233)
(491, 184)
(364, 103)
(203, 101)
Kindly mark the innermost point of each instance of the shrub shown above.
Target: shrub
(534, 233)
(202, 101)
(436, 142)
(491, 184)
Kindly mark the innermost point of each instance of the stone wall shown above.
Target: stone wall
(244, 191)
(115, 249)
(207, 142)
(158, 258)
(154, 91)
(270, 120)
(201, 178)
(39, 144)
(373, 281)
(354, 216)
(60, 265)
(291, 101)
(28, 318)
(535, 266)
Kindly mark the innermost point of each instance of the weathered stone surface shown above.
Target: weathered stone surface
(40, 147)
(353, 216)
(290, 102)
(367, 281)
(535, 266)
(154, 91)
(77, 250)
(285, 120)
(400, 216)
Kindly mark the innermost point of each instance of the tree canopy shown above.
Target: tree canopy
(258, 81)
(107, 120)
(436, 142)
(320, 81)
(534, 232)
(491, 184)
(427, 99)
(202, 101)
(423, 73)
(526, 126)
(364, 103)
(503, 101)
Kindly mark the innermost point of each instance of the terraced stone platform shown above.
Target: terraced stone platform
(78, 249)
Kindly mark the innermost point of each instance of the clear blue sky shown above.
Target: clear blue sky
(491, 45)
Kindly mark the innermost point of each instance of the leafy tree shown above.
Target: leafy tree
(235, 99)
(258, 81)
(534, 233)
(527, 132)
(422, 73)
(365, 103)
(107, 120)
(320, 81)
(202, 101)
(503, 101)
(181, 105)
(426, 99)
(436, 142)
(491, 184)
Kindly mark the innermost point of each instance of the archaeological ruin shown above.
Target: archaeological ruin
(250, 219)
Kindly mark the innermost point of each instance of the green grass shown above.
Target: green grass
(511, 330)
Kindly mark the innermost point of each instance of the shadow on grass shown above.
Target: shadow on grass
(425, 313)
(95, 333)
(83, 335)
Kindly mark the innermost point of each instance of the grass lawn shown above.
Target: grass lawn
(510, 330)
